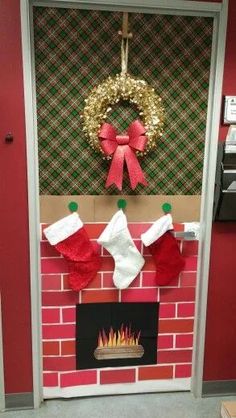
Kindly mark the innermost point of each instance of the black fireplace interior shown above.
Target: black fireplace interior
(116, 334)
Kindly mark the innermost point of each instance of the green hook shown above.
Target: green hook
(166, 207)
(122, 204)
(73, 206)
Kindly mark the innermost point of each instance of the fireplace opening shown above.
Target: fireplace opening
(116, 334)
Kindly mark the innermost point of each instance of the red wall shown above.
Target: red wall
(220, 361)
(14, 273)
(14, 251)
(220, 346)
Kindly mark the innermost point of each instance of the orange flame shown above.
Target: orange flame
(118, 338)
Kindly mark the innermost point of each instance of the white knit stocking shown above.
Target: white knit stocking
(116, 239)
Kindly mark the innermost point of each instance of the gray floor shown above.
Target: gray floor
(171, 405)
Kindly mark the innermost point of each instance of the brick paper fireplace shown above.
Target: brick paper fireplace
(175, 326)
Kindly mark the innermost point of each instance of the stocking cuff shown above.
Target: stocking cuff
(117, 224)
(159, 227)
(63, 228)
(193, 227)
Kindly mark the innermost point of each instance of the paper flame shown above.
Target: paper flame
(122, 337)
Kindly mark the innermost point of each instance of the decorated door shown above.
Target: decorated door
(118, 288)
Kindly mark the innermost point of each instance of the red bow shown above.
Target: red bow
(123, 148)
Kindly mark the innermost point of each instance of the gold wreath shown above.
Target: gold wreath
(123, 87)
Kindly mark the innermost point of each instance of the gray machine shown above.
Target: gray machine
(225, 184)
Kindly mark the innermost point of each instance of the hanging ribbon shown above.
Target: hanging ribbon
(123, 149)
(124, 55)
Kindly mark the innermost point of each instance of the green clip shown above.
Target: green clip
(73, 206)
(122, 204)
(166, 207)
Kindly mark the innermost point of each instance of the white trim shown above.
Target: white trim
(33, 197)
(2, 386)
(158, 228)
(181, 7)
(148, 386)
(208, 184)
(63, 228)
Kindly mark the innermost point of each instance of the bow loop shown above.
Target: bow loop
(123, 148)
(139, 143)
(136, 128)
(108, 131)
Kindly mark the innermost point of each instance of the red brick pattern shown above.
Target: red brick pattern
(188, 279)
(176, 315)
(165, 341)
(117, 376)
(58, 363)
(68, 348)
(50, 316)
(51, 282)
(167, 310)
(87, 377)
(111, 295)
(51, 348)
(59, 298)
(68, 315)
(183, 370)
(139, 295)
(175, 326)
(174, 356)
(58, 331)
(184, 340)
(174, 294)
(185, 310)
(50, 379)
(155, 372)
(190, 248)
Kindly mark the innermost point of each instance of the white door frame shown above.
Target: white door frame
(219, 12)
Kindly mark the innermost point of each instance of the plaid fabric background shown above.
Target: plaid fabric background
(77, 49)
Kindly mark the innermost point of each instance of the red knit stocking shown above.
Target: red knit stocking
(168, 259)
(82, 259)
(71, 240)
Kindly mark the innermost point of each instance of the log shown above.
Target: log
(124, 351)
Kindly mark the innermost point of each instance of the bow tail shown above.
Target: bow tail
(115, 175)
(134, 169)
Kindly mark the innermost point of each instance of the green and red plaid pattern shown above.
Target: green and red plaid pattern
(77, 49)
